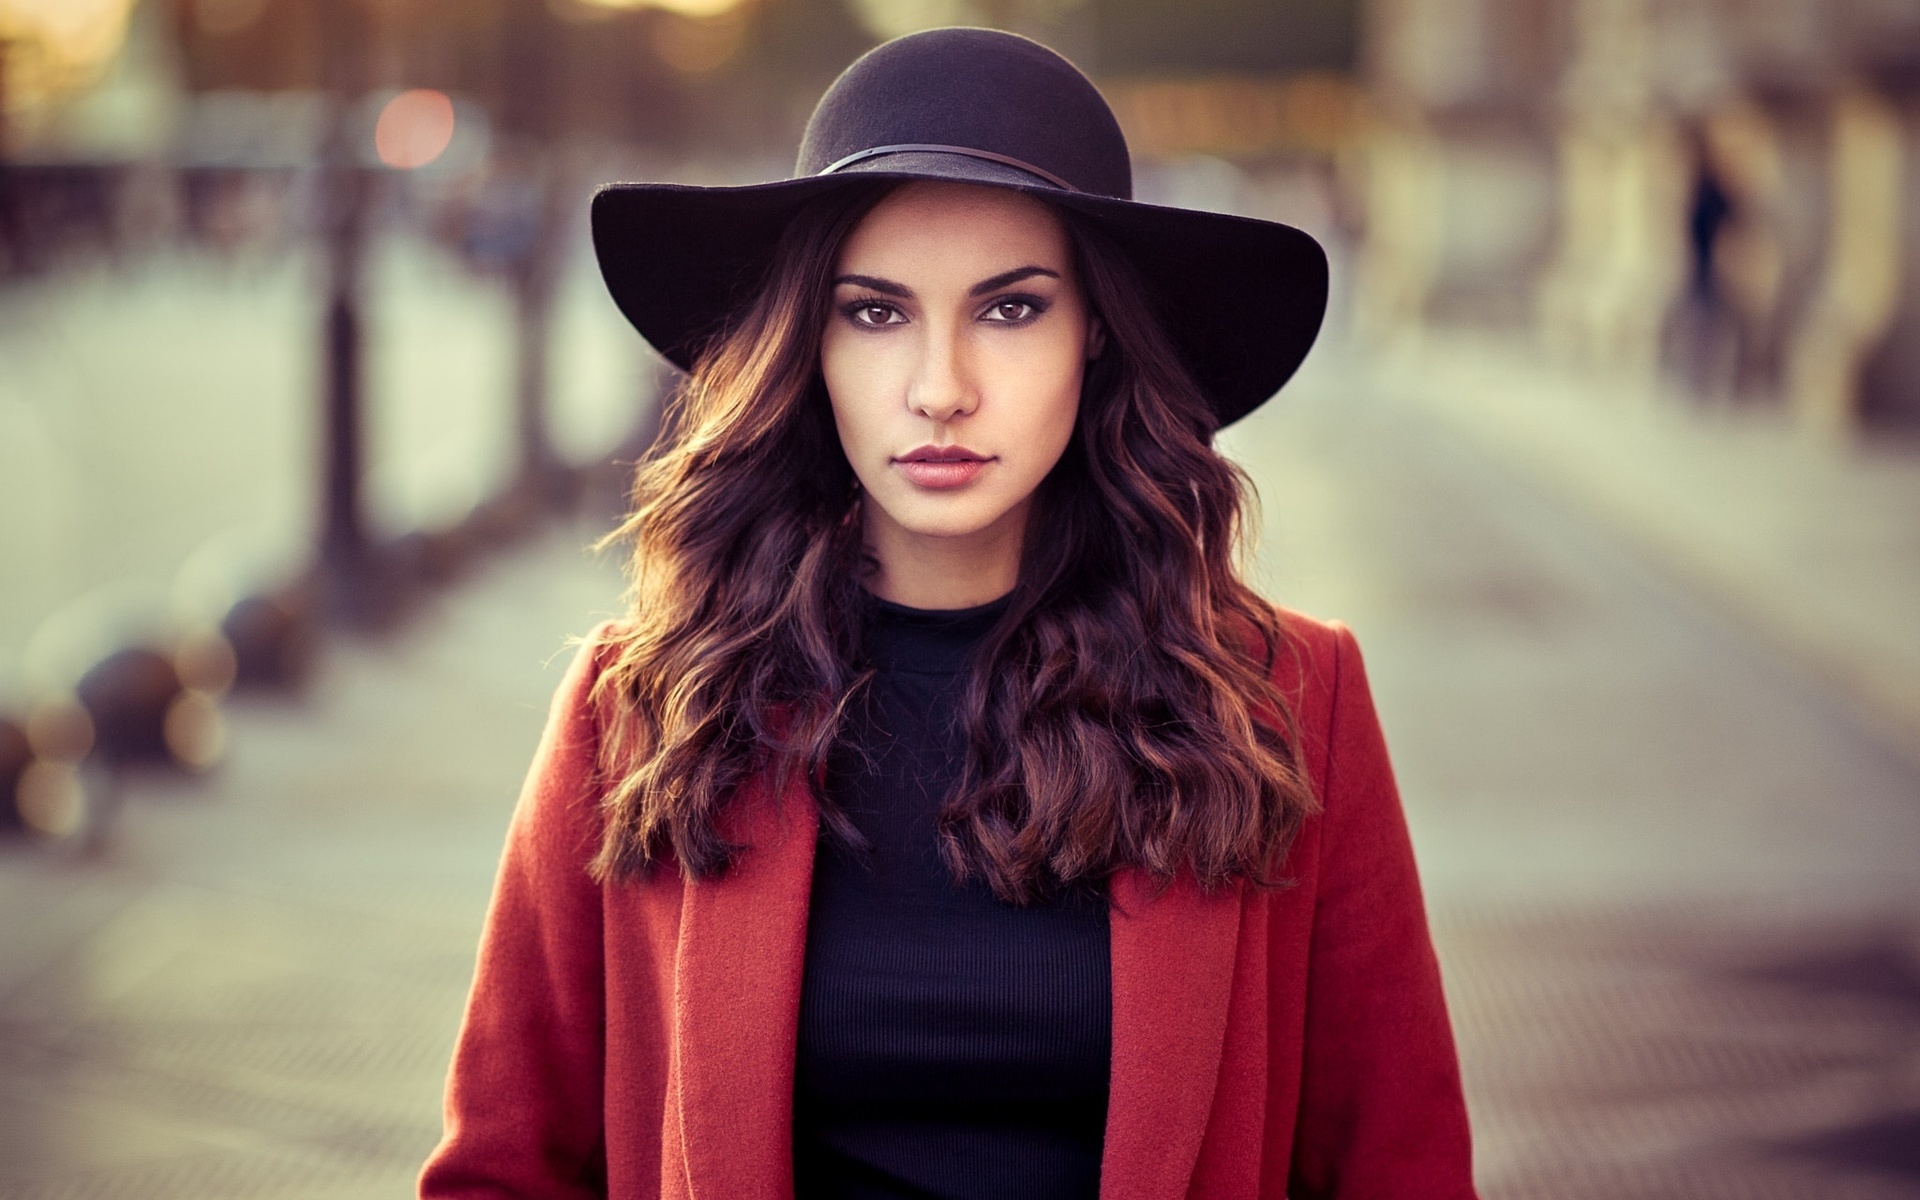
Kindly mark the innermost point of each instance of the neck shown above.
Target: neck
(932, 571)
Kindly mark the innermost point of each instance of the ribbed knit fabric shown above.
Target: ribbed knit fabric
(950, 1045)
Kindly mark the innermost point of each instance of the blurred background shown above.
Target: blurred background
(311, 401)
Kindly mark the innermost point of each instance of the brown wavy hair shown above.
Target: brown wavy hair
(1121, 712)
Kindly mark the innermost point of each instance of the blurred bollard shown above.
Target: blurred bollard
(205, 664)
(121, 687)
(84, 691)
(60, 729)
(206, 661)
(244, 600)
(130, 710)
(50, 796)
(15, 757)
(52, 799)
(143, 715)
(271, 638)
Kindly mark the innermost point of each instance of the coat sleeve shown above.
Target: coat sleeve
(523, 1097)
(1381, 1111)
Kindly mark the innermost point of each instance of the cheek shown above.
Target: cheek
(1044, 394)
(855, 387)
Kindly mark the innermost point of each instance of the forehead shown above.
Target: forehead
(956, 220)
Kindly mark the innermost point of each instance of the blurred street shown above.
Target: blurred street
(1672, 877)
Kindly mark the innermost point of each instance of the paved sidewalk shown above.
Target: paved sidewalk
(254, 991)
(1812, 543)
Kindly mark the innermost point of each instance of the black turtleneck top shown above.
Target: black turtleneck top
(950, 1045)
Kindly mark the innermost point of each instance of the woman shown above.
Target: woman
(948, 818)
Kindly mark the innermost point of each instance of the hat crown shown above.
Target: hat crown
(978, 89)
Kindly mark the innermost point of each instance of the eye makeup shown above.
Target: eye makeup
(1036, 307)
(852, 310)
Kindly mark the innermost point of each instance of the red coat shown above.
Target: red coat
(637, 1040)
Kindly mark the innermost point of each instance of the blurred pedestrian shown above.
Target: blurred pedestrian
(948, 818)
(1706, 326)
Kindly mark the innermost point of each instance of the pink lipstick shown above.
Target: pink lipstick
(941, 466)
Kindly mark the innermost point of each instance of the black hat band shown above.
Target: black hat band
(927, 148)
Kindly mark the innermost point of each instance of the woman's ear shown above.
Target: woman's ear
(1096, 338)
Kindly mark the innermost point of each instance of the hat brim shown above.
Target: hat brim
(1242, 298)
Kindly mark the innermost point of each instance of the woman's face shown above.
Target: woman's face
(953, 355)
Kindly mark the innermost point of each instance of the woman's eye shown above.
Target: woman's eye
(1014, 311)
(874, 314)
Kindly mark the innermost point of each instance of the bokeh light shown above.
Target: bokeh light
(54, 47)
(195, 732)
(414, 128)
(50, 799)
(222, 17)
(685, 8)
(696, 45)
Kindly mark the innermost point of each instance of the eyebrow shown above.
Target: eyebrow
(885, 287)
(888, 287)
(1006, 277)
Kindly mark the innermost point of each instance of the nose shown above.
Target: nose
(942, 385)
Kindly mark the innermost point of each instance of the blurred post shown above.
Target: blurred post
(1404, 180)
(6, 56)
(1623, 191)
(9, 234)
(1456, 172)
(531, 114)
(535, 284)
(1855, 303)
(345, 185)
(1890, 374)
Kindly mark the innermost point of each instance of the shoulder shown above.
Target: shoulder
(562, 787)
(1313, 640)
(1311, 657)
(1319, 672)
(579, 698)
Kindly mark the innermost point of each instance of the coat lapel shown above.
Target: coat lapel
(737, 1003)
(1173, 959)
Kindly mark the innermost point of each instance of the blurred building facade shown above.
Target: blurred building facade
(1722, 191)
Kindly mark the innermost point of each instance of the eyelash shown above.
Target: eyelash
(1035, 303)
(853, 308)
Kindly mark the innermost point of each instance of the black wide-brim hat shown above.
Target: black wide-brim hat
(1242, 298)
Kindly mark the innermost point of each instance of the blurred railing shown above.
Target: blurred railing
(160, 473)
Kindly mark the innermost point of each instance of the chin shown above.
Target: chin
(944, 517)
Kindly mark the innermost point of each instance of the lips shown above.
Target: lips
(941, 454)
(939, 468)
